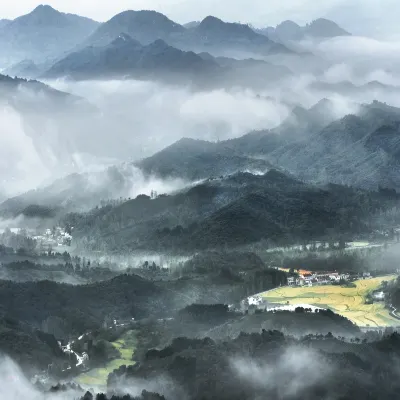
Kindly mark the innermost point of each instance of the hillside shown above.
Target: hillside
(231, 211)
(71, 193)
(360, 150)
(196, 159)
(81, 308)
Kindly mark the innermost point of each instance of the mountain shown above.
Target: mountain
(299, 124)
(44, 33)
(125, 56)
(196, 159)
(287, 30)
(290, 31)
(360, 150)
(313, 144)
(324, 28)
(187, 160)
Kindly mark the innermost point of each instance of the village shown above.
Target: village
(305, 278)
(308, 278)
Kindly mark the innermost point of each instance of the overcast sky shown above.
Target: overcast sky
(365, 15)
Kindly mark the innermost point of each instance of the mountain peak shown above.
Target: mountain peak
(43, 15)
(159, 44)
(215, 25)
(325, 28)
(143, 17)
(289, 24)
(124, 39)
(44, 9)
(211, 19)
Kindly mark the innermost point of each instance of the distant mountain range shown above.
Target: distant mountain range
(44, 33)
(290, 31)
(125, 57)
(211, 34)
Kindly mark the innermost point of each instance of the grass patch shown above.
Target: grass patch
(346, 301)
(126, 345)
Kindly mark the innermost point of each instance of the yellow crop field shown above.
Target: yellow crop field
(97, 377)
(349, 302)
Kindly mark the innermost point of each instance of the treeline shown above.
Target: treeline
(145, 395)
(21, 242)
(82, 308)
(85, 270)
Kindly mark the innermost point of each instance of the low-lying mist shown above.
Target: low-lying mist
(132, 120)
(128, 120)
(14, 385)
(290, 375)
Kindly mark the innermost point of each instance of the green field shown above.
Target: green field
(97, 377)
(349, 302)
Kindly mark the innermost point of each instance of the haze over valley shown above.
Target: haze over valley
(199, 201)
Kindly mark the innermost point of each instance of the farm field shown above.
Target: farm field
(349, 302)
(97, 377)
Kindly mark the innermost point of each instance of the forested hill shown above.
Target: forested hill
(232, 211)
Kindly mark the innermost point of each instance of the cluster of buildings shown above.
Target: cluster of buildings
(55, 237)
(308, 278)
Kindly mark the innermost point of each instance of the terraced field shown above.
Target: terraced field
(97, 377)
(349, 302)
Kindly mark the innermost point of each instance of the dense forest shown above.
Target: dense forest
(271, 364)
(232, 211)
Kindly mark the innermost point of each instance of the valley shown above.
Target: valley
(97, 377)
(204, 210)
